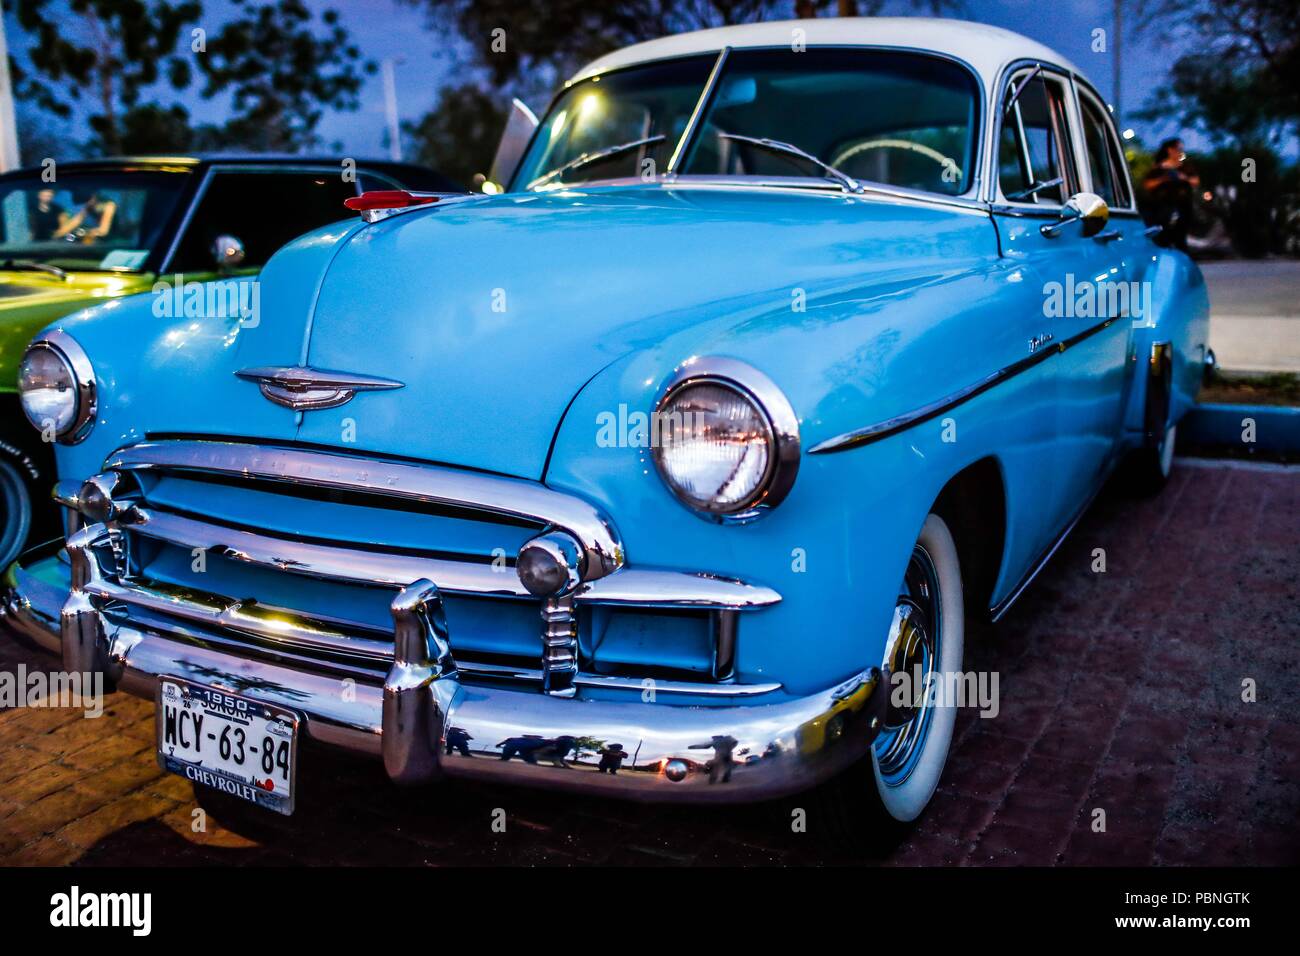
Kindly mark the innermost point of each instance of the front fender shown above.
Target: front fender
(837, 547)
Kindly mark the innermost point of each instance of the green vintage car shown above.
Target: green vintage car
(73, 234)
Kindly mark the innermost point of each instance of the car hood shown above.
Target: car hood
(494, 312)
(31, 300)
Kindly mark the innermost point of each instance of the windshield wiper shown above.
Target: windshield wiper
(30, 265)
(845, 181)
(586, 159)
(1036, 188)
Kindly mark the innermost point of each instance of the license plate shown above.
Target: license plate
(234, 744)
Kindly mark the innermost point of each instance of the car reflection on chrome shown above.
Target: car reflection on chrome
(762, 374)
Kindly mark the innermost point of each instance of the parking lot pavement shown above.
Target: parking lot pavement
(1121, 698)
(1255, 314)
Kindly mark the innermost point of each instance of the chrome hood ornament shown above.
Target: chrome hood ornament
(303, 388)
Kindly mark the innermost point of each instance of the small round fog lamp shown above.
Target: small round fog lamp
(548, 566)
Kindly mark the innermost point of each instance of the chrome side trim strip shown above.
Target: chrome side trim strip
(633, 586)
(892, 426)
(603, 551)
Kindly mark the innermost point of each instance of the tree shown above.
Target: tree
(1240, 82)
(459, 136)
(282, 75)
(109, 51)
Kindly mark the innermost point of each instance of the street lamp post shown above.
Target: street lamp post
(390, 107)
(8, 124)
(1115, 58)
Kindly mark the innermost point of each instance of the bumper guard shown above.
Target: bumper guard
(426, 721)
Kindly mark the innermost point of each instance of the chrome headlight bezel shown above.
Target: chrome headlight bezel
(66, 349)
(782, 429)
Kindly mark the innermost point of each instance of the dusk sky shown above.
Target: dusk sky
(387, 28)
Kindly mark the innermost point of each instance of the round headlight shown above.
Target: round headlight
(57, 387)
(726, 441)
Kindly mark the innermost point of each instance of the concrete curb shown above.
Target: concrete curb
(1226, 428)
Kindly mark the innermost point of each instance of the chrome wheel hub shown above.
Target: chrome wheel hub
(912, 650)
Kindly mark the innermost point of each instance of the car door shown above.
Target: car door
(262, 207)
(1038, 171)
(1129, 250)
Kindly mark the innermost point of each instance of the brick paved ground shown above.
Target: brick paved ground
(1119, 691)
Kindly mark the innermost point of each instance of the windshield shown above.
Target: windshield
(622, 107)
(899, 119)
(102, 221)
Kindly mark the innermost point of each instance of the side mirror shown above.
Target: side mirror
(520, 125)
(1088, 209)
(227, 252)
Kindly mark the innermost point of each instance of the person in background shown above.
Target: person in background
(47, 216)
(91, 222)
(1169, 188)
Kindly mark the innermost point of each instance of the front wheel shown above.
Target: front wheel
(874, 801)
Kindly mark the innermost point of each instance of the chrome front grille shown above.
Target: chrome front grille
(280, 515)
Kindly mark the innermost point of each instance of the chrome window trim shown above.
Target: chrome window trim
(993, 191)
(701, 104)
(83, 373)
(1081, 84)
(783, 423)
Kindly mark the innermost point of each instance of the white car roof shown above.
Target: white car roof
(985, 48)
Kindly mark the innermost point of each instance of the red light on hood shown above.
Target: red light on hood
(386, 199)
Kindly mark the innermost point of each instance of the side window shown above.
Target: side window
(1104, 157)
(261, 210)
(1034, 164)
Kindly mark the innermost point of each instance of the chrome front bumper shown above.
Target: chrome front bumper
(428, 720)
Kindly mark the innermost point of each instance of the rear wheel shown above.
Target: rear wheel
(1149, 467)
(872, 804)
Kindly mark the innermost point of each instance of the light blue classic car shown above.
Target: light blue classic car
(780, 353)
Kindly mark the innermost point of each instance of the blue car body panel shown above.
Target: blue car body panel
(521, 322)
